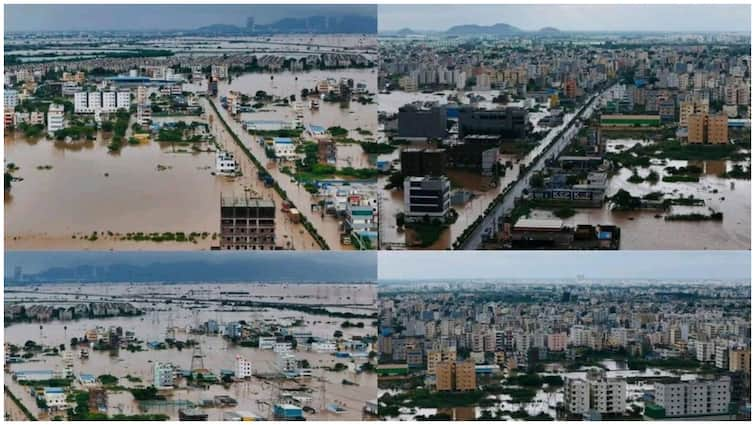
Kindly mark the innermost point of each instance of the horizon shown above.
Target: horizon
(461, 265)
(50, 18)
(569, 17)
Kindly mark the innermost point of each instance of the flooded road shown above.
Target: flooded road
(327, 226)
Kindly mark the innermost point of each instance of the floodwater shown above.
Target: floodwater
(352, 116)
(218, 353)
(642, 230)
(90, 189)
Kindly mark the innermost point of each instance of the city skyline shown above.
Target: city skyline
(568, 17)
(166, 17)
(420, 265)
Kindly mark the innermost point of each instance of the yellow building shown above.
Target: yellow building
(691, 107)
(436, 357)
(739, 360)
(704, 128)
(466, 379)
(455, 376)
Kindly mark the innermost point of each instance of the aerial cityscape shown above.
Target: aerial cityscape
(265, 349)
(537, 212)
(266, 130)
(658, 345)
(511, 138)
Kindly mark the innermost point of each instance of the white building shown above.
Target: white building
(163, 375)
(324, 347)
(699, 397)
(55, 118)
(284, 148)
(109, 101)
(595, 392)
(55, 398)
(267, 342)
(243, 368)
(282, 347)
(10, 98)
(226, 164)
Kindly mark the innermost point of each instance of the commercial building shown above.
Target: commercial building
(423, 162)
(427, 197)
(595, 393)
(510, 122)
(426, 121)
(55, 118)
(247, 224)
(693, 398)
(704, 128)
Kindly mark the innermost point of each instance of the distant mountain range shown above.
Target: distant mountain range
(499, 30)
(347, 24)
(221, 267)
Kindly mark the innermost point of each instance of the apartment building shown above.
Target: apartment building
(55, 118)
(596, 393)
(243, 367)
(455, 376)
(704, 128)
(694, 398)
(101, 101)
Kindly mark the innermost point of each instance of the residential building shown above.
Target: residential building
(595, 392)
(243, 368)
(55, 118)
(163, 375)
(694, 398)
(704, 128)
(455, 376)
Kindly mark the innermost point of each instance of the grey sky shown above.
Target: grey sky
(564, 264)
(51, 17)
(569, 17)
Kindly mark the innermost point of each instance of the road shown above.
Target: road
(474, 241)
(328, 227)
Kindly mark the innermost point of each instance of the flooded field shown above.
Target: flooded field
(150, 187)
(648, 229)
(180, 319)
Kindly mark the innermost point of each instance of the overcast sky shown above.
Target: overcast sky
(60, 17)
(564, 264)
(569, 17)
